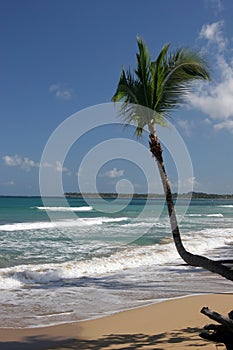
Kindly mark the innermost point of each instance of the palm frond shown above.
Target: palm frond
(143, 71)
(157, 87)
(157, 75)
(182, 68)
(125, 91)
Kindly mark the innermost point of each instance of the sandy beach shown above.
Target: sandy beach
(171, 324)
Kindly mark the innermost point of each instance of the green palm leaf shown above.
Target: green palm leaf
(161, 85)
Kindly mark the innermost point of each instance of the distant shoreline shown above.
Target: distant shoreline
(189, 195)
(193, 195)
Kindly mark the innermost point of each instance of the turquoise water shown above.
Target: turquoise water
(66, 261)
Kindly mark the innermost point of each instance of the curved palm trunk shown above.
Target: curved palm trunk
(189, 258)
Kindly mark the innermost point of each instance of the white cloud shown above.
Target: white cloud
(216, 101)
(57, 166)
(214, 34)
(227, 124)
(60, 168)
(113, 173)
(27, 164)
(61, 92)
(12, 160)
(24, 163)
(216, 97)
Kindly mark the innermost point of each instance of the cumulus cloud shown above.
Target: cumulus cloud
(114, 173)
(24, 163)
(216, 98)
(61, 92)
(27, 164)
(214, 34)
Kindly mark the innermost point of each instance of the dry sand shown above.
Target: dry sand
(171, 324)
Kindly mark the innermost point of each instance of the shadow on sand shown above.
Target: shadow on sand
(120, 341)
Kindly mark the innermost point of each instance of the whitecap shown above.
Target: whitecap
(56, 224)
(226, 206)
(84, 208)
(219, 215)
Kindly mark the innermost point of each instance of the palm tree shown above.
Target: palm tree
(148, 96)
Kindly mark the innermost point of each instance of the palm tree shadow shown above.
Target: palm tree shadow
(140, 341)
(120, 341)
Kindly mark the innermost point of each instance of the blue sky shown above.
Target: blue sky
(60, 57)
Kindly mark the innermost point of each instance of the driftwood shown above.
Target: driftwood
(222, 333)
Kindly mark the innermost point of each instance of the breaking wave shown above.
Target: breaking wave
(84, 208)
(59, 224)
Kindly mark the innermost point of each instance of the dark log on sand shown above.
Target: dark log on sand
(222, 333)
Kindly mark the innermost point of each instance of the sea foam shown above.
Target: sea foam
(84, 208)
(59, 224)
(218, 215)
(128, 258)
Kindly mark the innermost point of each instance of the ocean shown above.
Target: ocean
(86, 259)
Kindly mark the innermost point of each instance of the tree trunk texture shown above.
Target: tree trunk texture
(189, 258)
(222, 333)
